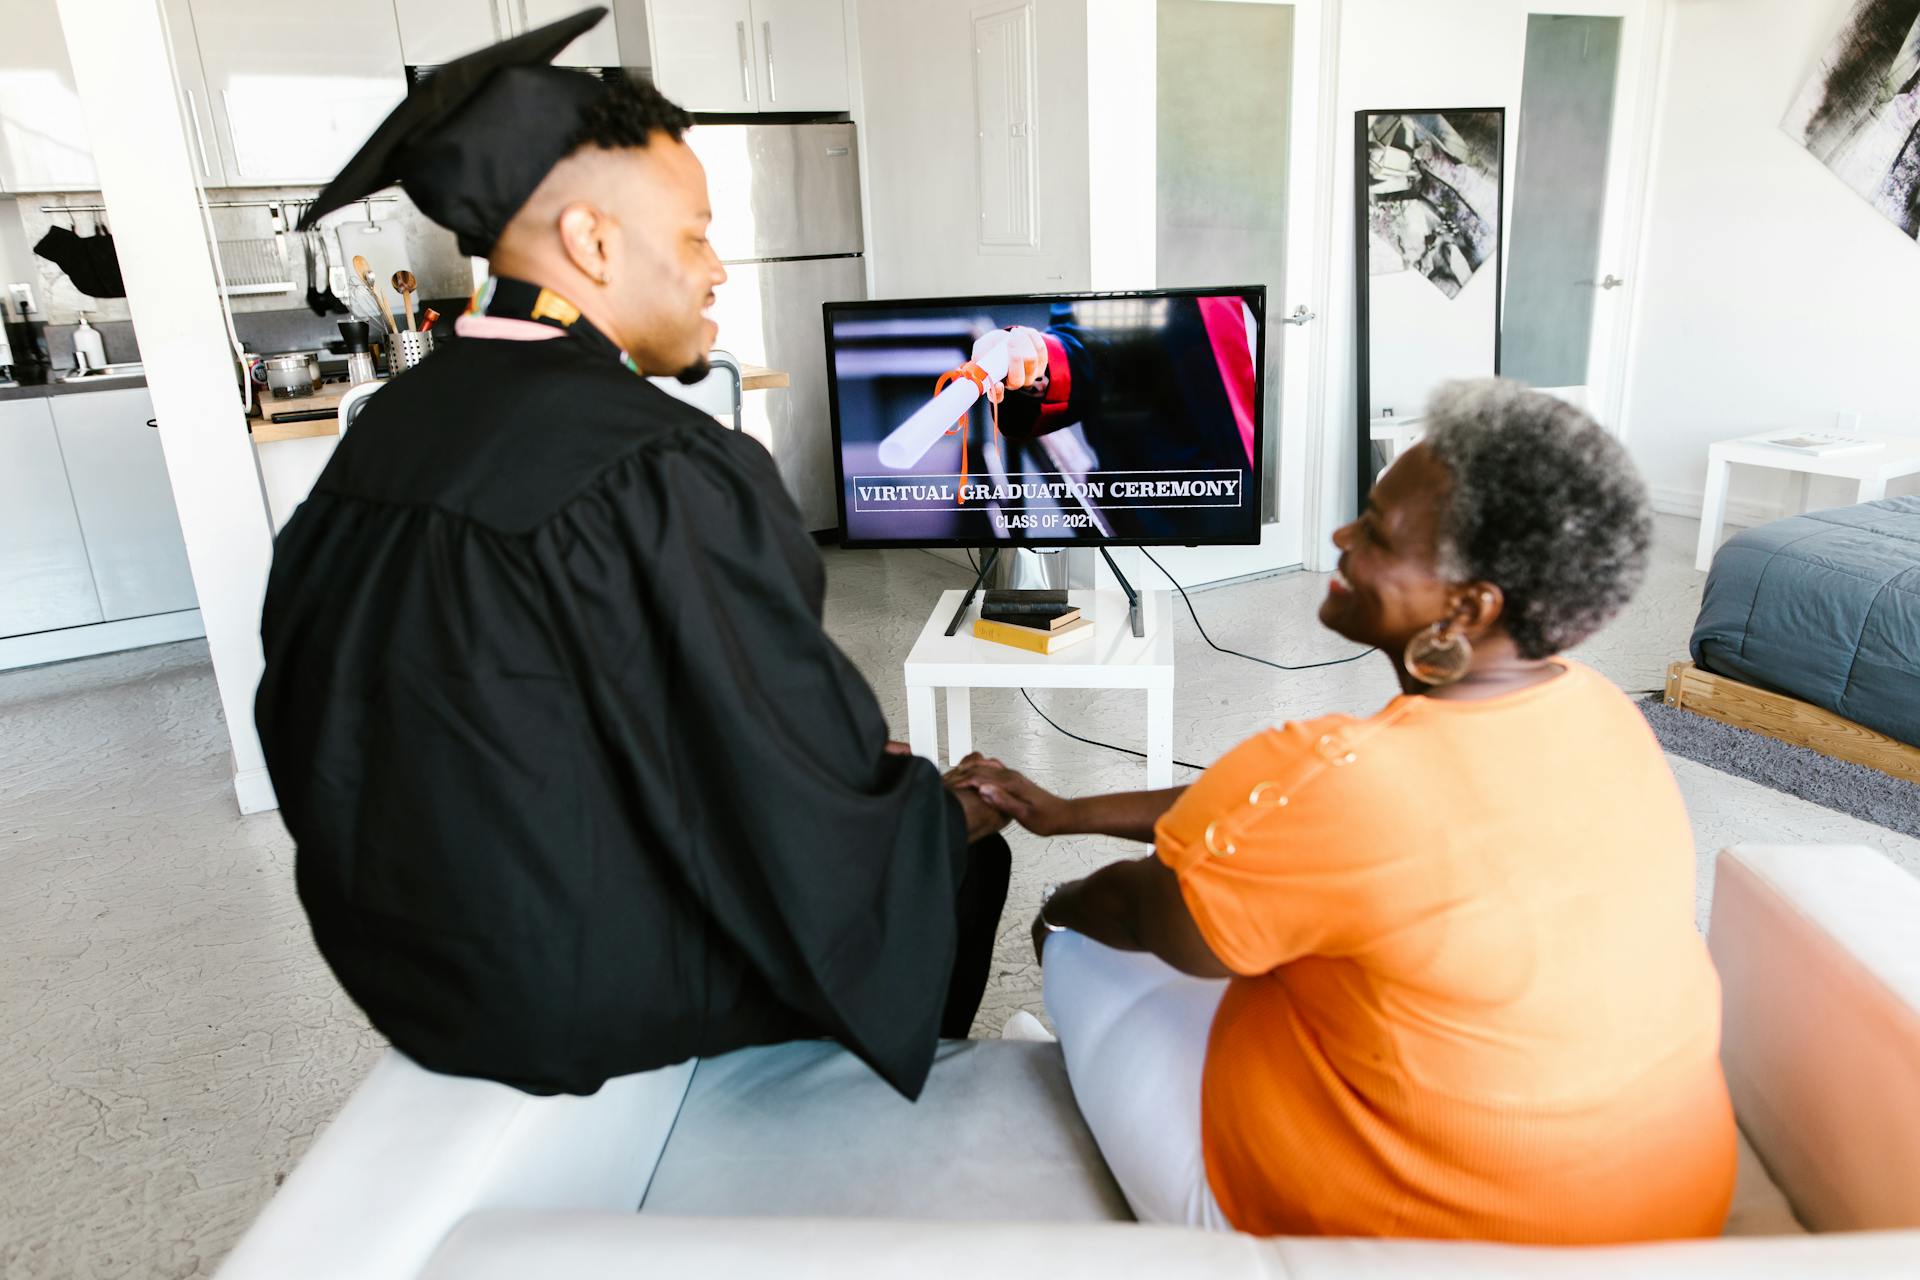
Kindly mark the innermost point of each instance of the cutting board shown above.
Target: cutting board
(390, 245)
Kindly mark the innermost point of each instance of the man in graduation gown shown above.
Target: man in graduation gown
(579, 785)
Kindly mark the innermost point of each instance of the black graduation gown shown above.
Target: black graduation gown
(579, 785)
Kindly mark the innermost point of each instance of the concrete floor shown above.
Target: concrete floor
(170, 1042)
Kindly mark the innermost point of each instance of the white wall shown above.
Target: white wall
(916, 76)
(1770, 294)
(1122, 111)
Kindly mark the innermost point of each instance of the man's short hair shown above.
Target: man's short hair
(630, 113)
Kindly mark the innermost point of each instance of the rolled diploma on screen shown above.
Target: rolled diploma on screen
(908, 443)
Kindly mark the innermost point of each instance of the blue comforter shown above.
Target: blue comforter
(1825, 607)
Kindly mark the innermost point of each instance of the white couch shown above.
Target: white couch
(796, 1161)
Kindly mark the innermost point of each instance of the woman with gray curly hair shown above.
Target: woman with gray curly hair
(1429, 972)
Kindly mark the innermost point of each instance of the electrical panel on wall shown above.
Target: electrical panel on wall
(1005, 84)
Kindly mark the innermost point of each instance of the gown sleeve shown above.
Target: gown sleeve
(751, 750)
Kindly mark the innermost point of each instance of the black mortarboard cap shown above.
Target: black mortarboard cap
(472, 143)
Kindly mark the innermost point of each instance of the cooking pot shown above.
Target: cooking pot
(289, 375)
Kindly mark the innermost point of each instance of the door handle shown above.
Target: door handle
(1613, 282)
(746, 67)
(199, 138)
(1301, 316)
(773, 86)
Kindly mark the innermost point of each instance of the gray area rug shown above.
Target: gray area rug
(1848, 788)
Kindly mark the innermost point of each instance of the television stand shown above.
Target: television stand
(948, 668)
(1134, 620)
(966, 601)
(1133, 597)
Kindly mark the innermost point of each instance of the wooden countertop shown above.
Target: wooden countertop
(267, 429)
(754, 377)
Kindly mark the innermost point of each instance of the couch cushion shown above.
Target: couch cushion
(1816, 953)
(515, 1246)
(807, 1130)
(1759, 1207)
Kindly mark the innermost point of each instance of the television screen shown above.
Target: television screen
(1097, 419)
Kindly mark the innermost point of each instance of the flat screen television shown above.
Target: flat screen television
(1122, 419)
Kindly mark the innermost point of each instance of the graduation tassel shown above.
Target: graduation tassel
(994, 393)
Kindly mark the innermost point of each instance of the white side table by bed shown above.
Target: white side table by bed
(1113, 659)
(1870, 469)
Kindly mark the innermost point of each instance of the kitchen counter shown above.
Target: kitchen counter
(57, 388)
(754, 378)
(267, 431)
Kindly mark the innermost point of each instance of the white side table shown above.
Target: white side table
(1113, 659)
(1870, 469)
(1397, 435)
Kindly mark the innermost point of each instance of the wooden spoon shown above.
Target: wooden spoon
(362, 269)
(405, 284)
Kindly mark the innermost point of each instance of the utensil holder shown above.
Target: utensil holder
(408, 348)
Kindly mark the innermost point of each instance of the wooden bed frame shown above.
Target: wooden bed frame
(1788, 719)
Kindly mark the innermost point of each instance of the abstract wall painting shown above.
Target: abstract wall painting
(1433, 193)
(1860, 113)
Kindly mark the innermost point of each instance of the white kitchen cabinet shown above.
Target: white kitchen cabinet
(751, 55)
(296, 91)
(45, 581)
(117, 475)
(600, 47)
(703, 54)
(202, 141)
(437, 31)
(800, 49)
(43, 135)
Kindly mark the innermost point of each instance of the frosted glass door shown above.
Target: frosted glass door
(1556, 280)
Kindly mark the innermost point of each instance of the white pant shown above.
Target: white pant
(1134, 1032)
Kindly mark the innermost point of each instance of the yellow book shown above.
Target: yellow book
(1031, 638)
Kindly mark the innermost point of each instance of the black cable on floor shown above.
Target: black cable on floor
(1204, 636)
(1091, 742)
(1265, 662)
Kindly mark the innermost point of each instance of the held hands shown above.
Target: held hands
(983, 819)
(1012, 794)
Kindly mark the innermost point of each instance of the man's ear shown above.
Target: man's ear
(583, 234)
(1475, 608)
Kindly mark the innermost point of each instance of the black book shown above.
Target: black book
(1047, 619)
(1006, 601)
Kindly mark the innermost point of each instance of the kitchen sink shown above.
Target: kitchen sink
(109, 372)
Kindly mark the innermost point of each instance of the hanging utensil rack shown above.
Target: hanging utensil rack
(366, 201)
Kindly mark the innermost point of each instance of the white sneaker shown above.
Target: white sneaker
(1024, 1026)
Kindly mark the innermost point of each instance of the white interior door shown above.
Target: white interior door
(1124, 109)
(1577, 155)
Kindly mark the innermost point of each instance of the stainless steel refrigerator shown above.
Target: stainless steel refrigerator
(786, 221)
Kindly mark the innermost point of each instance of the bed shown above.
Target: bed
(1825, 609)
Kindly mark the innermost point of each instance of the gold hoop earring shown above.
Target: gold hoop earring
(1438, 655)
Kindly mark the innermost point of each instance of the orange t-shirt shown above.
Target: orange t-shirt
(1473, 1003)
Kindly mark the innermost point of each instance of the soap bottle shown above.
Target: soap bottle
(89, 348)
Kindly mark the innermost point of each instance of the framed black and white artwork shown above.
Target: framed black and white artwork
(1430, 193)
(1860, 113)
